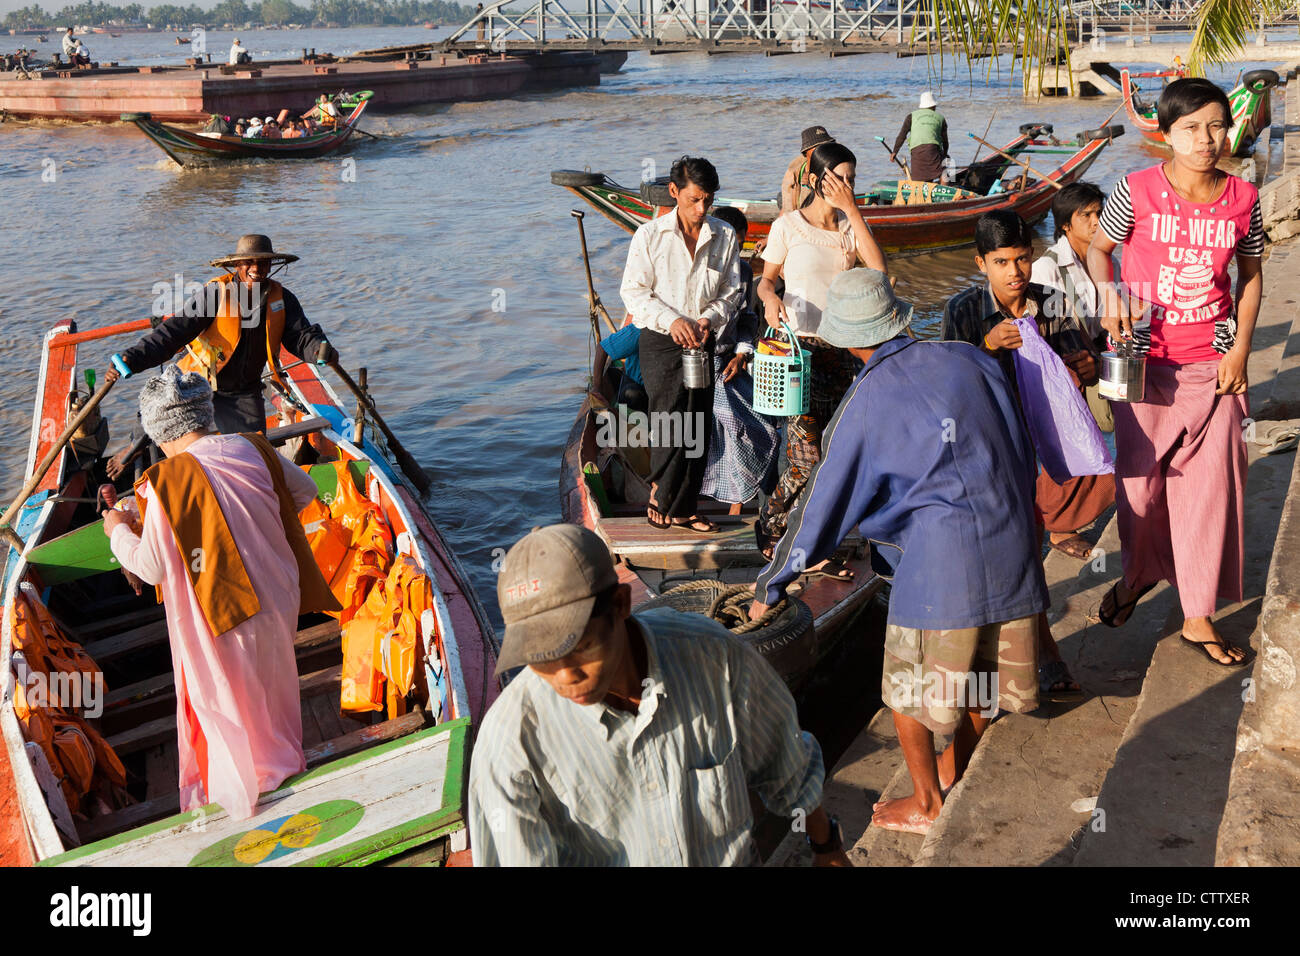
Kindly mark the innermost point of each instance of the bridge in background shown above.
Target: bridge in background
(774, 27)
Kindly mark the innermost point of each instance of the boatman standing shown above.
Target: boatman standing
(928, 459)
(926, 133)
(682, 286)
(218, 531)
(630, 739)
(230, 331)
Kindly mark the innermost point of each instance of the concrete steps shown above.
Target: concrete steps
(1137, 773)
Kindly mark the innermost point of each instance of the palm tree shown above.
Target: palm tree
(1038, 28)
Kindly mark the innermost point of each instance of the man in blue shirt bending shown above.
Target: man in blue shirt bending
(928, 458)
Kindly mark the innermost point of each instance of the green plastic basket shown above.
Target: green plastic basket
(781, 385)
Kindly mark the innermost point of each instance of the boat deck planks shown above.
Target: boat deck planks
(640, 544)
(353, 810)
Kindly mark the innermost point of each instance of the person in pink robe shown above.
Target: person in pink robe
(239, 723)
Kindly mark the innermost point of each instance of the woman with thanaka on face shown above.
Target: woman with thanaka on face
(810, 247)
(1180, 464)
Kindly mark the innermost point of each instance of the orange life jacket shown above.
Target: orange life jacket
(212, 349)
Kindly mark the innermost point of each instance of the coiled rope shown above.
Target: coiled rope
(731, 607)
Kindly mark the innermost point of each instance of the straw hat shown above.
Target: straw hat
(254, 247)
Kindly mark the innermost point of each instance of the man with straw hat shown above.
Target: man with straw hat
(230, 331)
(216, 528)
(795, 188)
(630, 739)
(928, 459)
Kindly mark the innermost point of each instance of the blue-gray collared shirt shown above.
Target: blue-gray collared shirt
(558, 783)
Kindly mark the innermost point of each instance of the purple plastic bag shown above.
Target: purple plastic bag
(1066, 436)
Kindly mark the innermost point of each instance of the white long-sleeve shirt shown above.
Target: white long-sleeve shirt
(663, 282)
(1081, 293)
(235, 49)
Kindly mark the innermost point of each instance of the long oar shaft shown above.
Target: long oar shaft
(593, 301)
(410, 467)
(1051, 182)
(6, 531)
(906, 171)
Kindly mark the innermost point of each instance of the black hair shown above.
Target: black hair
(999, 229)
(824, 157)
(694, 169)
(734, 218)
(1070, 200)
(1187, 95)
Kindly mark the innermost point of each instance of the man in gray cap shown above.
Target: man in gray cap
(795, 188)
(229, 331)
(927, 455)
(629, 739)
(215, 526)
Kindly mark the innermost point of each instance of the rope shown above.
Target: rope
(731, 607)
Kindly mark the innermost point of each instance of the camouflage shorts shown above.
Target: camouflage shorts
(932, 676)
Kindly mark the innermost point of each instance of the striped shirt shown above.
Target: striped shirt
(558, 783)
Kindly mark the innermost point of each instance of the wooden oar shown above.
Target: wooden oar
(593, 300)
(986, 132)
(409, 466)
(906, 172)
(1051, 182)
(6, 531)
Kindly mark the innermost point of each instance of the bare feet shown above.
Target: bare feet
(1199, 630)
(908, 814)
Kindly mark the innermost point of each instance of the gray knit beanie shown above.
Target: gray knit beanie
(174, 403)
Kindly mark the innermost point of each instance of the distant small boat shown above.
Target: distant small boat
(1249, 100)
(190, 148)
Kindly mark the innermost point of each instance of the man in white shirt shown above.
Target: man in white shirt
(239, 54)
(1076, 210)
(682, 285)
(254, 128)
(77, 54)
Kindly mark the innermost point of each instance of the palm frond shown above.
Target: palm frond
(1222, 27)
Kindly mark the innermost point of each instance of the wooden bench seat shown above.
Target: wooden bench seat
(640, 545)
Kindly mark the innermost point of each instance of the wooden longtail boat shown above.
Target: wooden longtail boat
(193, 148)
(1250, 102)
(374, 790)
(904, 216)
(604, 489)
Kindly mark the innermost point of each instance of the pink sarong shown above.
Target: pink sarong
(240, 687)
(1180, 487)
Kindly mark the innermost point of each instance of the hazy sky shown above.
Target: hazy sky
(54, 6)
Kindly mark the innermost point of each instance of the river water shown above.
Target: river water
(449, 265)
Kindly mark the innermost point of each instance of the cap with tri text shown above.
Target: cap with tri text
(547, 588)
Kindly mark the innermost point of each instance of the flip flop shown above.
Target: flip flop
(841, 573)
(663, 524)
(1224, 646)
(1053, 673)
(692, 524)
(1078, 541)
(1126, 608)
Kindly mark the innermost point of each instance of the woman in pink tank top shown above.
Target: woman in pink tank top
(1181, 459)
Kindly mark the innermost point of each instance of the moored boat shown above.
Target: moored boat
(97, 785)
(193, 148)
(1250, 102)
(604, 488)
(905, 216)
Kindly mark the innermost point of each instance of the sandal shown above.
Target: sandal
(833, 569)
(1052, 673)
(1222, 645)
(698, 524)
(1126, 609)
(663, 524)
(1076, 546)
